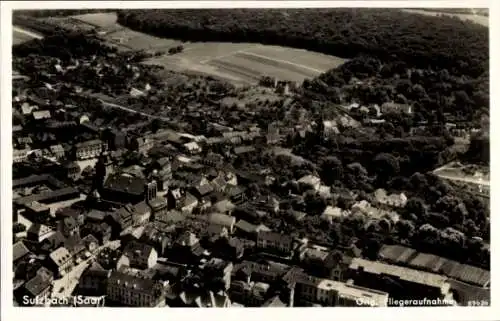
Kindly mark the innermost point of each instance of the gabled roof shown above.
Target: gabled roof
(39, 229)
(87, 240)
(246, 226)
(141, 208)
(37, 285)
(137, 249)
(19, 251)
(187, 239)
(125, 183)
(60, 256)
(222, 219)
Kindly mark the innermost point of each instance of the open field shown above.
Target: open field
(20, 35)
(236, 62)
(100, 20)
(482, 20)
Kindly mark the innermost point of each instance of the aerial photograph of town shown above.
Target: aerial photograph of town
(253, 157)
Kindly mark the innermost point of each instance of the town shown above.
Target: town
(138, 186)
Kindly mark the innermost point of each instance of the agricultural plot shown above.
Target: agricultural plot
(19, 37)
(139, 41)
(236, 62)
(100, 20)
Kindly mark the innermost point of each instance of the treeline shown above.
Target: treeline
(422, 41)
(63, 46)
(57, 12)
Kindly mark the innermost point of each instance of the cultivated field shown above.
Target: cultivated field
(20, 35)
(236, 62)
(482, 20)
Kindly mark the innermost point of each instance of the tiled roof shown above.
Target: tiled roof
(137, 249)
(124, 183)
(37, 285)
(19, 250)
(246, 226)
(222, 219)
(60, 256)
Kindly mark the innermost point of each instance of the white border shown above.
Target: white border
(8, 312)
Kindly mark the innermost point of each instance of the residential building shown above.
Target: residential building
(94, 280)
(36, 290)
(36, 212)
(141, 144)
(311, 181)
(138, 255)
(192, 148)
(90, 149)
(130, 289)
(60, 261)
(19, 252)
(20, 155)
(391, 200)
(57, 151)
(217, 273)
(38, 232)
(141, 213)
(223, 221)
(274, 241)
(69, 227)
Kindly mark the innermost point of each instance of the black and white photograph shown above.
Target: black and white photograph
(246, 157)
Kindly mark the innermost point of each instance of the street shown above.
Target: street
(65, 286)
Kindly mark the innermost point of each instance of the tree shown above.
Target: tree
(331, 170)
(416, 205)
(385, 166)
(314, 203)
(453, 208)
(404, 229)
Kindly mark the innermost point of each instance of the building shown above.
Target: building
(90, 149)
(129, 289)
(192, 148)
(120, 220)
(123, 188)
(392, 200)
(274, 241)
(138, 255)
(36, 290)
(217, 273)
(61, 261)
(399, 282)
(19, 252)
(159, 206)
(141, 213)
(94, 280)
(310, 181)
(312, 290)
(72, 170)
(69, 227)
(37, 212)
(222, 221)
(38, 232)
(20, 155)
(141, 145)
(115, 139)
(57, 151)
